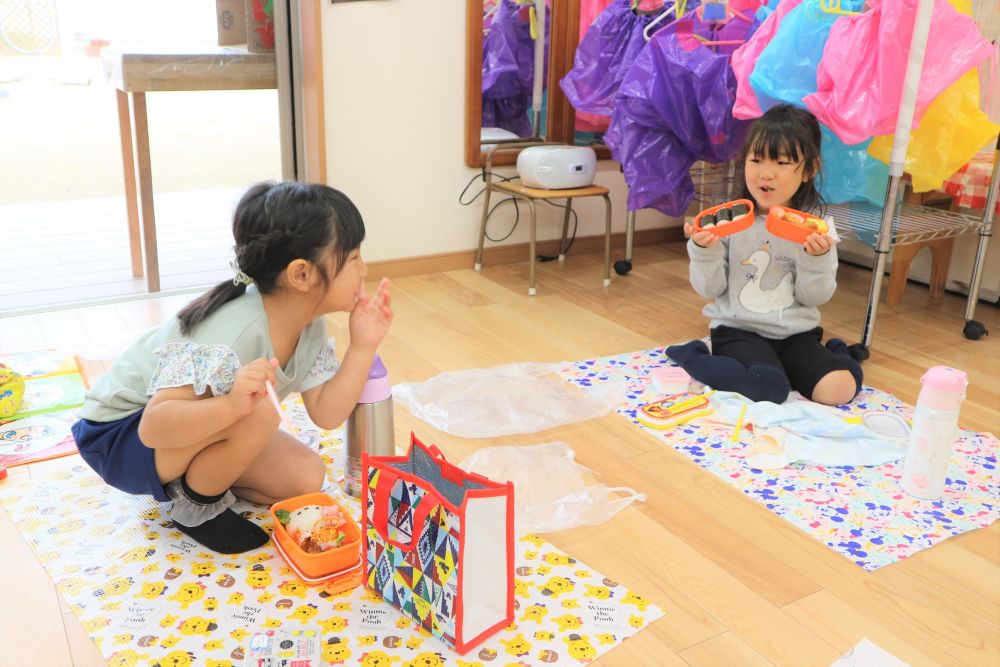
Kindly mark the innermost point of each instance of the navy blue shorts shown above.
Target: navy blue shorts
(114, 451)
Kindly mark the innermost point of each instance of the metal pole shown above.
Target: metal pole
(904, 121)
(985, 232)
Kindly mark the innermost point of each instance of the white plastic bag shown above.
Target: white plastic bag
(549, 490)
(504, 400)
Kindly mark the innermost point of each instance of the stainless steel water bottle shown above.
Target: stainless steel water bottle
(370, 426)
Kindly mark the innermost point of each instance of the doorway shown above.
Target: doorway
(64, 236)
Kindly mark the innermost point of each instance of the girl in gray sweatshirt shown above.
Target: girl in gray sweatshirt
(765, 291)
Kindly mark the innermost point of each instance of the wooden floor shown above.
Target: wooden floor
(74, 251)
(739, 585)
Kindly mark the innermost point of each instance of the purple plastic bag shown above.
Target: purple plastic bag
(674, 108)
(604, 56)
(508, 70)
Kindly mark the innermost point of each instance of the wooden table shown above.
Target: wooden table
(134, 72)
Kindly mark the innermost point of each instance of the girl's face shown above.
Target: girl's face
(773, 182)
(343, 289)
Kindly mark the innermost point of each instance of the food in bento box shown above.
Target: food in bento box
(315, 528)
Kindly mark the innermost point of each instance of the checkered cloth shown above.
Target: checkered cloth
(970, 184)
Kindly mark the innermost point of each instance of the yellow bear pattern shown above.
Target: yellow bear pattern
(189, 607)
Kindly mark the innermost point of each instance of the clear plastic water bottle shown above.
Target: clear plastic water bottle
(369, 427)
(934, 430)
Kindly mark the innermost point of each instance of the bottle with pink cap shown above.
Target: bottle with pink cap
(370, 426)
(935, 428)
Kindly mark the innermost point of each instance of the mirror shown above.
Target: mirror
(504, 98)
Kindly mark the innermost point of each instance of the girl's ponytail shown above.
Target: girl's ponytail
(195, 312)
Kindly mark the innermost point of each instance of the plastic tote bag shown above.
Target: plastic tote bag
(439, 544)
(859, 82)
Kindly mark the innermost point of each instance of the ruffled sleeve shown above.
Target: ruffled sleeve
(324, 368)
(201, 366)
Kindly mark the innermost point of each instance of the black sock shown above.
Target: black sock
(843, 353)
(227, 533)
(760, 382)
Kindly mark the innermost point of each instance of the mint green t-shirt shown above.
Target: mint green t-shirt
(208, 358)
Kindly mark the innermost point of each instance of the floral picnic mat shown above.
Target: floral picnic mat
(860, 512)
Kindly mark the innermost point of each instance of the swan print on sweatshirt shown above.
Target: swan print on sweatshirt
(755, 296)
(762, 283)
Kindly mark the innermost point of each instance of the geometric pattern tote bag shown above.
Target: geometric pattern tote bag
(438, 544)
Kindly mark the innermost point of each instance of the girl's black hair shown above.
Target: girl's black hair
(792, 132)
(275, 223)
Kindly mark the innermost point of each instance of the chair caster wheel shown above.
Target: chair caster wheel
(975, 330)
(623, 266)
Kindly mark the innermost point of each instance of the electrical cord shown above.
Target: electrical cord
(517, 214)
(505, 179)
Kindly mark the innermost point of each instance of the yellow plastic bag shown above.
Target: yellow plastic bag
(11, 391)
(951, 132)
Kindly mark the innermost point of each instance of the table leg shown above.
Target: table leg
(531, 248)
(146, 191)
(128, 166)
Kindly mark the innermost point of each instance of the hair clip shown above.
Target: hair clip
(240, 278)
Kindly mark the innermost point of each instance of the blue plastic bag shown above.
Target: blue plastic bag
(850, 173)
(785, 71)
(674, 108)
(604, 56)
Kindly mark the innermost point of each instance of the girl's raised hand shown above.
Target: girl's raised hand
(817, 244)
(249, 386)
(701, 237)
(371, 317)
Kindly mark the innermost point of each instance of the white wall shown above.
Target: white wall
(394, 94)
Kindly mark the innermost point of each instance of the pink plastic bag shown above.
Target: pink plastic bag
(859, 82)
(745, 58)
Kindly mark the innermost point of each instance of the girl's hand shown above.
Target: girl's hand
(817, 244)
(249, 386)
(371, 317)
(701, 237)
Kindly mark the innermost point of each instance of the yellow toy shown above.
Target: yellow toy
(11, 391)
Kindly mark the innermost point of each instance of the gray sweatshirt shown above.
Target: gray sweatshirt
(763, 283)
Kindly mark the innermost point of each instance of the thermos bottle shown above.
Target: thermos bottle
(370, 427)
(934, 430)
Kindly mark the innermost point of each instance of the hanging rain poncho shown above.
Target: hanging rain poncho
(785, 70)
(951, 132)
(604, 56)
(674, 108)
(508, 69)
(745, 57)
(860, 81)
(849, 173)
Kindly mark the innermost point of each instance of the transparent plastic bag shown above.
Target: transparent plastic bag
(549, 490)
(504, 400)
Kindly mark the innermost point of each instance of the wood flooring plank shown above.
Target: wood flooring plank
(724, 649)
(841, 625)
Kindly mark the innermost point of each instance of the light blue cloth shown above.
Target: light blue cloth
(814, 433)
